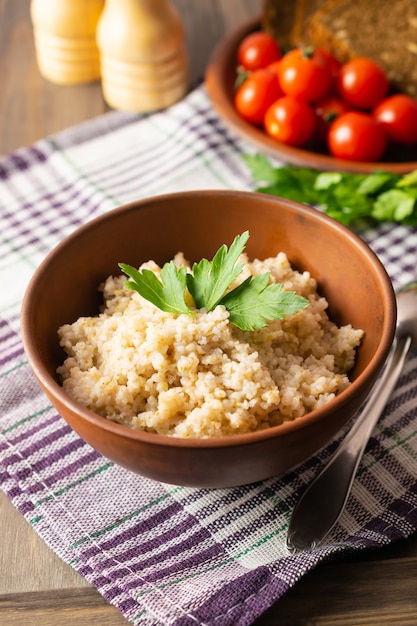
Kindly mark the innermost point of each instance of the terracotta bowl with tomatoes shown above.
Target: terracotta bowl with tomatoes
(198, 223)
(305, 108)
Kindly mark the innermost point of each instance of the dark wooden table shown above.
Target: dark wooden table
(36, 588)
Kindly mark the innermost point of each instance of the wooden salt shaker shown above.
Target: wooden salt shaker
(65, 39)
(144, 64)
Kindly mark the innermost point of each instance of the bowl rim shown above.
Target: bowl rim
(215, 81)
(52, 388)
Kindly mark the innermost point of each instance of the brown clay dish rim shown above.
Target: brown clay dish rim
(55, 390)
(219, 82)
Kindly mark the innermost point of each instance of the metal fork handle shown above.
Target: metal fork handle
(322, 503)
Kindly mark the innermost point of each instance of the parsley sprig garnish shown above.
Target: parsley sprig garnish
(251, 304)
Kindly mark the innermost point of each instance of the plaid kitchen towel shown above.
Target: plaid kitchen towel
(165, 554)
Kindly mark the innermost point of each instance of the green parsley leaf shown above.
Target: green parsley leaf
(251, 304)
(262, 169)
(325, 180)
(254, 302)
(293, 183)
(167, 294)
(393, 205)
(408, 180)
(356, 200)
(377, 182)
(210, 279)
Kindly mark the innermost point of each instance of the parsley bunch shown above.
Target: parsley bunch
(251, 304)
(353, 199)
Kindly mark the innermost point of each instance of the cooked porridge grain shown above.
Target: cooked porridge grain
(201, 376)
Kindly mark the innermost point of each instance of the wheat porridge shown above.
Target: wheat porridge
(202, 376)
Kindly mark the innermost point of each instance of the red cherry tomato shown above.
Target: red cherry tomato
(398, 116)
(331, 61)
(334, 67)
(258, 50)
(362, 82)
(290, 120)
(305, 74)
(256, 94)
(327, 111)
(356, 136)
(274, 67)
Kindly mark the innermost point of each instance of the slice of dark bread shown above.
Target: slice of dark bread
(287, 20)
(304, 11)
(383, 30)
(278, 20)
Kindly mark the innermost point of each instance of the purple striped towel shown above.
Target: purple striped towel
(165, 554)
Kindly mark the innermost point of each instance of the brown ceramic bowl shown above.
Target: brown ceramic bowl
(220, 81)
(349, 274)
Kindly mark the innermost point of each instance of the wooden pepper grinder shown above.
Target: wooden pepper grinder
(65, 39)
(144, 64)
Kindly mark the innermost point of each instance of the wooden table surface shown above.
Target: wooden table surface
(36, 588)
